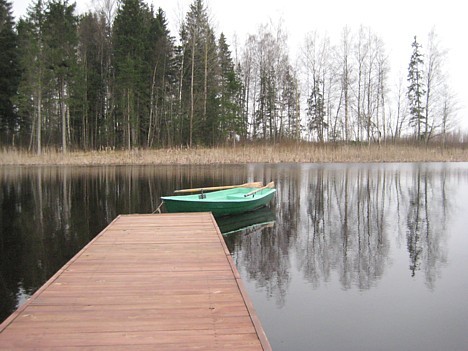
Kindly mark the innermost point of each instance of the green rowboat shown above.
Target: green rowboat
(223, 202)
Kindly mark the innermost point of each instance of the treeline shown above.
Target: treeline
(117, 78)
(105, 80)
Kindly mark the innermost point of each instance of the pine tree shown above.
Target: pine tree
(91, 87)
(230, 90)
(266, 104)
(416, 90)
(33, 84)
(316, 111)
(155, 59)
(290, 105)
(130, 39)
(10, 74)
(61, 40)
(199, 76)
(161, 58)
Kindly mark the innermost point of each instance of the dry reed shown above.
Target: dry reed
(289, 153)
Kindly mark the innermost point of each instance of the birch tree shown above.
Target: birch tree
(266, 68)
(316, 59)
(434, 83)
(344, 57)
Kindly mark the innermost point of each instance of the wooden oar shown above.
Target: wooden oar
(224, 187)
(270, 185)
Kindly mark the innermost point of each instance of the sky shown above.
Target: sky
(393, 21)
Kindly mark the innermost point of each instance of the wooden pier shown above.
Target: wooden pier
(146, 282)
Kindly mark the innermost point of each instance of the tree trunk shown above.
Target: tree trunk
(129, 129)
(39, 121)
(63, 113)
(192, 98)
(205, 88)
(151, 114)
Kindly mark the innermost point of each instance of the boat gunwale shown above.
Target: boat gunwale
(195, 198)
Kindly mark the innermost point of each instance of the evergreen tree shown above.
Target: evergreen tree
(10, 74)
(92, 91)
(168, 86)
(161, 56)
(290, 105)
(199, 75)
(211, 122)
(416, 90)
(229, 91)
(266, 110)
(32, 87)
(130, 39)
(61, 41)
(316, 111)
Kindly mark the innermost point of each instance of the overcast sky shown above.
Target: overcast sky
(393, 21)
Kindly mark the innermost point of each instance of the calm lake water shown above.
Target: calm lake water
(348, 256)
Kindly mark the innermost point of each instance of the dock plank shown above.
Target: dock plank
(163, 282)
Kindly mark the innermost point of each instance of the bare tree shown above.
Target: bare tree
(372, 69)
(400, 117)
(344, 53)
(434, 79)
(108, 8)
(361, 52)
(449, 109)
(266, 69)
(316, 62)
(382, 74)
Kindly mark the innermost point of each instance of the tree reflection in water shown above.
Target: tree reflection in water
(343, 227)
(341, 220)
(47, 214)
(426, 223)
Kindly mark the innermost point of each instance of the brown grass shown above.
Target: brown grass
(294, 153)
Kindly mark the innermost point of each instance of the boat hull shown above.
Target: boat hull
(220, 203)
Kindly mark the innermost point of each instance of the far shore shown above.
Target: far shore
(240, 154)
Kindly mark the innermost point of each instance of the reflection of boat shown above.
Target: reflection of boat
(223, 202)
(247, 222)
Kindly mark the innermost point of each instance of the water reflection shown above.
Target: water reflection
(344, 225)
(263, 255)
(47, 214)
(344, 221)
(426, 223)
(246, 223)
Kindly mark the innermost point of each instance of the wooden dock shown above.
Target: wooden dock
(146, 282)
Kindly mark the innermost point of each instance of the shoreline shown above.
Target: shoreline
(294, 153)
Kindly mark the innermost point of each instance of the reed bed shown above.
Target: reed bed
(289, 153)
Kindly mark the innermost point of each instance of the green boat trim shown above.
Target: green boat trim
(221, 203)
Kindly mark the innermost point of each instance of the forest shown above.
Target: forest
(116, 78)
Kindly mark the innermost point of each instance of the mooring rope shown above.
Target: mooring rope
(158, 210)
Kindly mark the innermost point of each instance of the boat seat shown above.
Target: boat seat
(235, 197)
